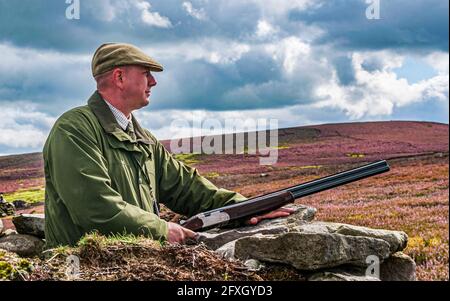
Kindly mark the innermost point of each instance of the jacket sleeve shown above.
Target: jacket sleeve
(183, 190)
(79, 173)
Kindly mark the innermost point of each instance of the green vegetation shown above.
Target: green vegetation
(97, 239)
(281, 146)
(356, 217)
(246, 151)
(188, 158)
(306, 167)
(212, 175)
(100, 240)
(225, 276)
(30, 195)
(310, 166)
(252, 151)
(6, 270)
(421, 194)
(61, 250)
(355, 155)
(12, 267)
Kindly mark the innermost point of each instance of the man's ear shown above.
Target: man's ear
(118, 77)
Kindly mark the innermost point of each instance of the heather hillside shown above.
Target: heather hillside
(412, 197)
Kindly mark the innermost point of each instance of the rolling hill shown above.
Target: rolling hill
(412, 197)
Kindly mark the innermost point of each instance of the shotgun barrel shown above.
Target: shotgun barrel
(268, 202)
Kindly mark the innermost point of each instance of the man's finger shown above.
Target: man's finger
(190, 233)
(274, 214)
(252, 221)
(280, 212)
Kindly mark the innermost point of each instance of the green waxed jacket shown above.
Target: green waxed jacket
(97, 178)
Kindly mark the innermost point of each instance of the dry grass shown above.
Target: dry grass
(138, 258)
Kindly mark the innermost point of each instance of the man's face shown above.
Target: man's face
(138, 82)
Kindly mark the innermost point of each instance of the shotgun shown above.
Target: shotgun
(274, 200)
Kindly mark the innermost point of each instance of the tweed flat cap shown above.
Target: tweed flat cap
(111, 55)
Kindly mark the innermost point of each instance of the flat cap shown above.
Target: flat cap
(111, 55)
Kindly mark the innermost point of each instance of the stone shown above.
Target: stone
(227, 250)
(253, 265)
(216, 238)
(1, 227)
(32, 224)
(398, 267)
(324, 250)
(397, 239)
(311, 251)
(9, 232)
(302, 214)
(7, 209)
(340, 276)
(20, 204)
(345, 273)
(305, 244)
(22, 245)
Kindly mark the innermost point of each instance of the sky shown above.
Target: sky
(300, 62)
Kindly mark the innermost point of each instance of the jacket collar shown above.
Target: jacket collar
(109, 122)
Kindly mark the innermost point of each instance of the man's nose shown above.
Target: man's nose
(151, 81)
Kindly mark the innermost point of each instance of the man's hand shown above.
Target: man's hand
(178, 234)
(280, 212)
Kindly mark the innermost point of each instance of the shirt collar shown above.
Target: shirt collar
(109, 123)
(122, 120)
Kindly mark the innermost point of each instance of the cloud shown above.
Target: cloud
(215, 75)
(278, 9)
(404, 24)
(291, 51)
(265, 29)
(198, 14)
(211, 50)
(124, 10)
(57, 79)
(186, 123)
(151, 18)
(439, 61)
(288, 72)
(420, 24)
(42, 24)
(322, 61)
(377, 90)
(105, 10)
(22, 126)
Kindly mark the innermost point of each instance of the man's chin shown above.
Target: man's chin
(145, 102)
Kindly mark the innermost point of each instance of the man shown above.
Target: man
(104, 172)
